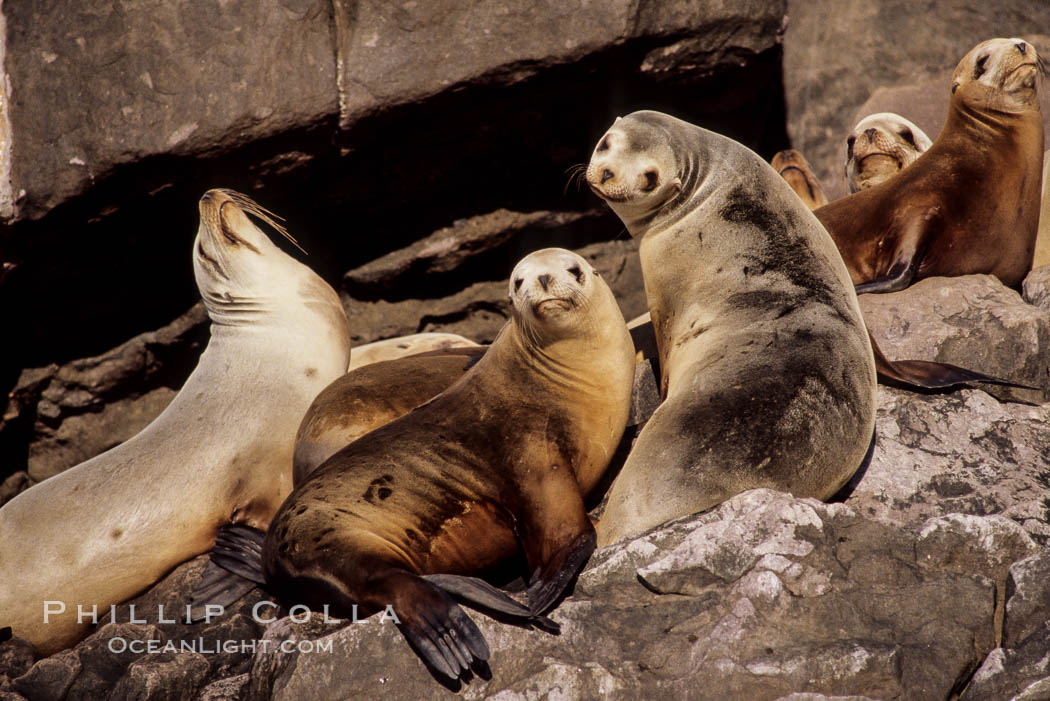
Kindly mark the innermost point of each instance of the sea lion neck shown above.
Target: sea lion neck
(564, 363)
(987, 125)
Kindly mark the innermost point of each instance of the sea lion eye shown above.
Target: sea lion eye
(517, 284)
(955, 86)
(652, 179)
(907, 136)
(604, 145)
(577, 273)
(849, 145)
(978, 70)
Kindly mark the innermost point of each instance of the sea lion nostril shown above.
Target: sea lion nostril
(607, 175)
(870, 133)
(545, 280)
(1022, 47)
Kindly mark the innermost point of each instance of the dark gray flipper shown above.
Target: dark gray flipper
(550, 582)
(481, 595)
(440, 632)
(235, 568)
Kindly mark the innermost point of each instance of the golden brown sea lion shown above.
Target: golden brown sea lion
(793, 167)
(971, 203)
(499, 462)
(403, 346)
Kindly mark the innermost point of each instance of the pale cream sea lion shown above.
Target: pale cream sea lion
(794, 168)
(103, 531)
(879, 147)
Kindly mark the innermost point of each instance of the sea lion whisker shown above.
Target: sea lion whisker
(252, 207)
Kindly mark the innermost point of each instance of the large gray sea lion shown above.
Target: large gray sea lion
(101, 532)
(971, 202)
(767, 374)
(498, 463)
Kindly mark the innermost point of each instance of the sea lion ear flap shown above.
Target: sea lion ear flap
(677, 182)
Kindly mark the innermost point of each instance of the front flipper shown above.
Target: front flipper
(437, 629)
(481, 595)
(554, 530)
(908, 254)
(550, 581)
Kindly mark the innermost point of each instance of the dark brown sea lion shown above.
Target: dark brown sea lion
(498, 463)
(970, 203)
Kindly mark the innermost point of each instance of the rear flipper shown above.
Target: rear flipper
(479, 594)
(436, 628)
(234, 569)
(931, 375)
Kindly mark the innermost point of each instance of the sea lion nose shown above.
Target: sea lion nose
(870, 133)
(607, 175)
(546, 279)
(1022, 47)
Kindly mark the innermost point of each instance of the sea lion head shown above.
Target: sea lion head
(879, 146)
(556, 294)
(635, 167)
(999, 75)
(233, 260)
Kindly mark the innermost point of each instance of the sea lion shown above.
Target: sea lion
(793, 167)
(373, 395)
(101, 532)
(767, 374)
(498, 463)
(1042, 241)
(880, 146)
(970, 203)
(402, 346)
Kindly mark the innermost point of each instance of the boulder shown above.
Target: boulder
(763, 596)
(1036, 288)
(957, 453)
(972, 321)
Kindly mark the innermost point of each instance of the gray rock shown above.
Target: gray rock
(50, 678)
(85, 407)
(450, 248)
(397, 54)
(228, 689)
(13, 486)
(960, 452)
(122, 83)
(1028, 600)
(480, 310)
(1036, 288)
(761, 597)
(838, 52)
(164, 677)
(972, 321)
(1019, 674)
(106, 655)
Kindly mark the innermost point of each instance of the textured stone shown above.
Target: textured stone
(972, 321)
(960, 452)
(1020, 674)
(50, 678)
(480, 310)
(228, 689)
(838, 52)
(1036, 288)
(165, 677)
(761, 597)
(119, 83)
(391, 54)
(1028, 600)
(451, 248)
